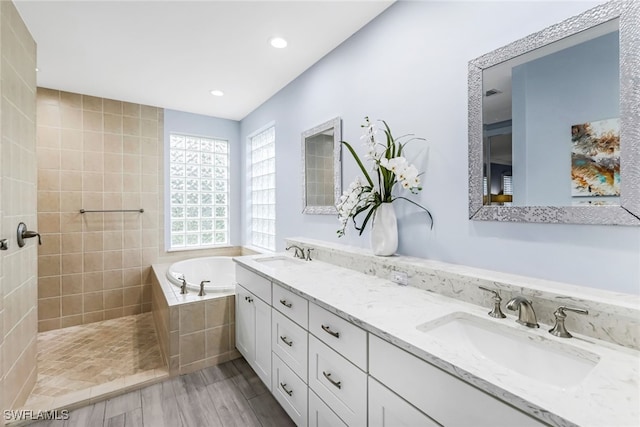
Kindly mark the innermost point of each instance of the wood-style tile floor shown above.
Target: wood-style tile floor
(230, 394)
(84, 356)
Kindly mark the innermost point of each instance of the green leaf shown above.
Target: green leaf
(357, 159)
(420, 206)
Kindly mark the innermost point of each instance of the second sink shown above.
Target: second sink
(545, 360)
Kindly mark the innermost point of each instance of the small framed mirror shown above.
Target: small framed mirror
(321, 170)
(553, 123)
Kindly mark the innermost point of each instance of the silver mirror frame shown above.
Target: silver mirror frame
(336, 124)
(628, 213)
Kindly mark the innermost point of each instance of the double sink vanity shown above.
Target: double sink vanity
(339, 347)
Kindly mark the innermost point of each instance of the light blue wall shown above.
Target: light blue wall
(409, 67)
(576, 85)
(199, 125)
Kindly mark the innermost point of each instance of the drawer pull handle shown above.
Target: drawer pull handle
(287, 342)
(328, 377)
(328, 330)
(249, 299)
(284, 387)
(285, 303)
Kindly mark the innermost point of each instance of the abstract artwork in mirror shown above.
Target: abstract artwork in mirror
(554, 123)
(321, 171)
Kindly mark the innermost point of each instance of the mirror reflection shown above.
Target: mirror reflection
(321, 168)
(551, 131)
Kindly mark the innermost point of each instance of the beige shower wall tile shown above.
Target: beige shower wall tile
(71, 118)
(48, 180)
(49, 287)
(50, 244)
(112, 143)
(91, 103)
(71, 139)
(72, 284)
(129, 109)
(71, 181)
(68, 99)
(71, 243)
(112, 106)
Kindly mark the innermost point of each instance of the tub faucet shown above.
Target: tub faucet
(299, 252)
(183, 287)
(202, 293)
(526, 315)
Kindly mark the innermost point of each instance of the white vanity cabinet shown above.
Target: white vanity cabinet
(444, 398)
(386, 409)
(253, 322)
(327, 372)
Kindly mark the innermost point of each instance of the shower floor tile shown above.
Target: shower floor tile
(85, 356)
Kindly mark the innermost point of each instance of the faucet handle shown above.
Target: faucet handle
(559, 330)
(309, 254)
(202, 293)
(497, 311)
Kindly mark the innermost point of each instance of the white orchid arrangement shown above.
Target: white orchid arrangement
(389, 167)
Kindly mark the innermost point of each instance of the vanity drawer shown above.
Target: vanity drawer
(289, 342)
(256, 284)
(340, 384)
(290, 391)
(446, 399)
(344, 337)
(291, 305)
(320, 415)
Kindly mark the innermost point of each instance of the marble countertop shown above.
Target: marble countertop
(608, 396)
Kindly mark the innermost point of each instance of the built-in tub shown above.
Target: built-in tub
(219, 270)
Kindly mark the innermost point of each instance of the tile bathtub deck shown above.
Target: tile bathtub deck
(92, 355)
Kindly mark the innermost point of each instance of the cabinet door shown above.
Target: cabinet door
(290, 391)
(320, 415)
(245, 324)
(386, 409)
(262, 358)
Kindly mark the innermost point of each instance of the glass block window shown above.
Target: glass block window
(263, 189)
(198, 191)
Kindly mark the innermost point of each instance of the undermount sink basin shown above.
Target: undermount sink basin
(545, 360)
(279, 261)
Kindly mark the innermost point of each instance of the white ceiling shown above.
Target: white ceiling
(171, 54)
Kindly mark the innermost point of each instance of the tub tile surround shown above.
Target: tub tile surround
(607, 396)
(612, 317)
(193, 332)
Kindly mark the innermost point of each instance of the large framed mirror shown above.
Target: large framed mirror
(554, 123)
(321, 170)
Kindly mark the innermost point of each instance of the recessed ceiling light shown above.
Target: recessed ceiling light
(217, 92)
(37, 69)
(278, 42)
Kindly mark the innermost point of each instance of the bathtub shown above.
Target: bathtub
(217, 269)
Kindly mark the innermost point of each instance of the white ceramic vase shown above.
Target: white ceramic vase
(384, 231)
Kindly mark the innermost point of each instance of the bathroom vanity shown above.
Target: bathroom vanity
(339, 347)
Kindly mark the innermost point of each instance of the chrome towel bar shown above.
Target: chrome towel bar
(114, 210)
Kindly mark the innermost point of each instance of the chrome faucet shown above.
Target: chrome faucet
(183, 287)
(299, 252)
(202, 293)
(526, 315)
